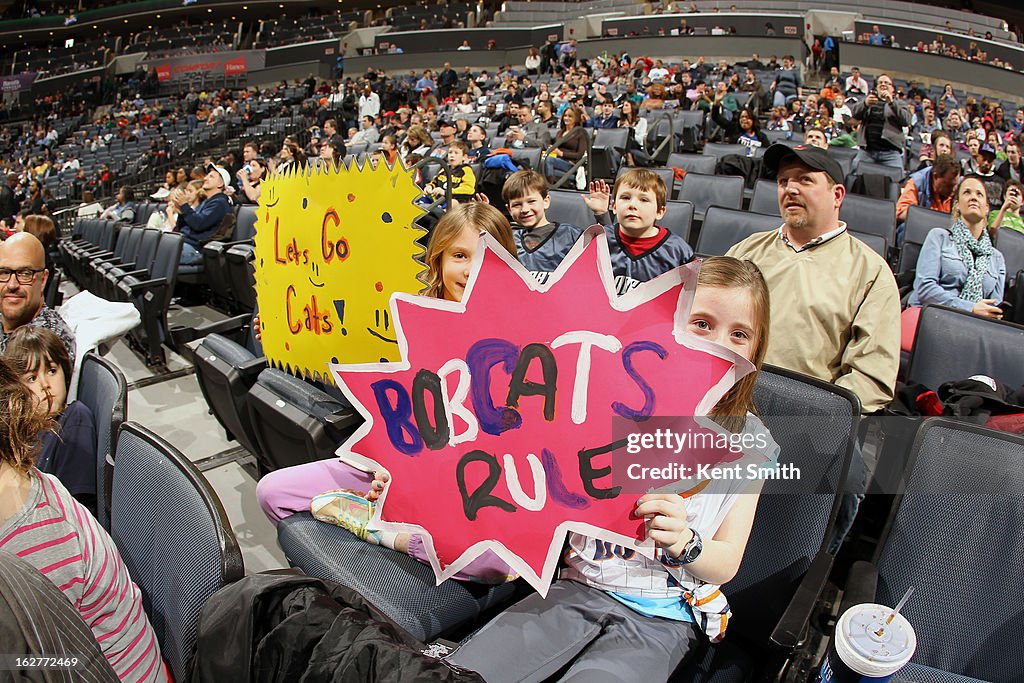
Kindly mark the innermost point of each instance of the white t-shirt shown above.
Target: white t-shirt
(612, 568)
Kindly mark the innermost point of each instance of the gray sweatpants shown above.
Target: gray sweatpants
(597, 637)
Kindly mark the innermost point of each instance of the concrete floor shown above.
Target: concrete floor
(175, 409)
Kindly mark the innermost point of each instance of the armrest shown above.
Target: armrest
(94, 249)
(184, 335)
(142, 285)
(861, 585)
(224, 246)
(791, 630)
(131, 273)
(110, 258)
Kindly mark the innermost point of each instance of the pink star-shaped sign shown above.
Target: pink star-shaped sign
(498, 425)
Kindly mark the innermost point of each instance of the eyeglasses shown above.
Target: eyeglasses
(25, 276)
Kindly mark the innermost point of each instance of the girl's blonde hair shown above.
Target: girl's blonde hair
(732, 273)
(200, 192)
(474, 215)
(21, 423)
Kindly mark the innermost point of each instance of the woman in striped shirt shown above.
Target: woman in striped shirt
(43, 524)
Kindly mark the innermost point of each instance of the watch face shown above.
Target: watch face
(693, 549)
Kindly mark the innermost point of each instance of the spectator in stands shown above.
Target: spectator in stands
(528, 132)
(165, 188)
(425, 87)
(41, 359)
(46, 232)
(616, 615)
(655, 97)
(448, 79)
(461, 180)
(630, 118)
(835, 83)
(446, 127)
(605, 118)
(532, 62)
(753, 86)
(876, 37)
(955, 127)
(640, 249)
(567, 54)
(1011, 168)
(815, 137)
(740, 129)
(124, 209)
(856, 84)
(44, 525)
(932, 187)
(199, 225)
(572, 148)
(476, 137)
(883, 119)
(855, 326)
(549, 56)
(168, 220)
(465, 105)
(541, 243)
(290, 154)
(369, 102)
(853, 335)
(940, 144)
(9, 204)
(949, 97)
(23, 276)
(779, 119)
(252, 179)
(825, 119)
(787, 85)
(1017, 125)
(33, 202)
(982, 160)
(366, 135)
(926, 123)
(1008, 215)
(958, 266)
(417, 141)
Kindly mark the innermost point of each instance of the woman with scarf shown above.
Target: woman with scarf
(958, 266)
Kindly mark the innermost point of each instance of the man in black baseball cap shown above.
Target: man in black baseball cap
(835, 307)
(811, 156)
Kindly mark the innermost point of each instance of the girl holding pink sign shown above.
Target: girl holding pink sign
(615, 615)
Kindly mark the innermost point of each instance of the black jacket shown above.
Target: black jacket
(282, 627)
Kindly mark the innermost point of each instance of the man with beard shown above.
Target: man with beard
(23, 276)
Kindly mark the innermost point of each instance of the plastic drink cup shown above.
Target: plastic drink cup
(867, 649)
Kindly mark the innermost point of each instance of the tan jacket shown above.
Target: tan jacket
(835, 313)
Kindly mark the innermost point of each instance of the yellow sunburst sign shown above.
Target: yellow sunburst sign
(331, 248)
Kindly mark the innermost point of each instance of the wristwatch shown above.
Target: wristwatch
(690, 553)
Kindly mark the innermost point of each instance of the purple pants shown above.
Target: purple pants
(284, 492)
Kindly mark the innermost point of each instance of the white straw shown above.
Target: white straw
(892, 615)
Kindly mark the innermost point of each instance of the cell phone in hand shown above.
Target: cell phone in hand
(1006, 307)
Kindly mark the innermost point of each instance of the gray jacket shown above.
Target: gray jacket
(897, 117)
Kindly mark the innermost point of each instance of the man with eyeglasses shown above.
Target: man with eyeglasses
(23, 277)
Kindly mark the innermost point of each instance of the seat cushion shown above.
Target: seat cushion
(399, 586)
